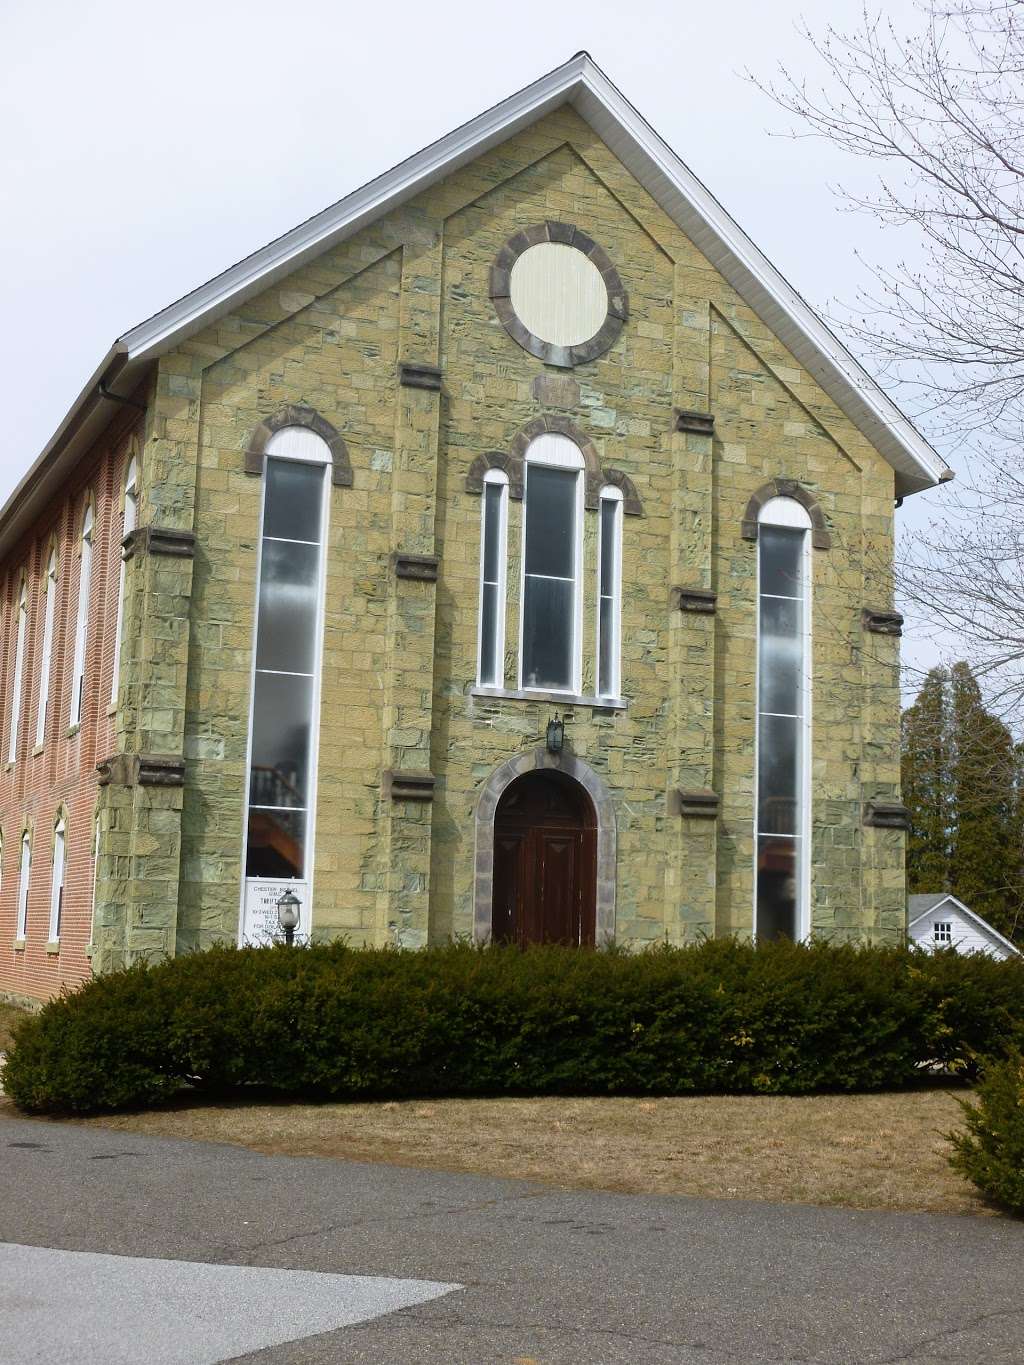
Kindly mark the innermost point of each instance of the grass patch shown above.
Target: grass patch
(9, 1016)
(877, 1151)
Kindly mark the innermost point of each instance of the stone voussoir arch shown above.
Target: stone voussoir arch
(299, 415)
(540, 760)
(821, 537)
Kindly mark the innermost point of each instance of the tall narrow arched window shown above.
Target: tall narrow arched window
(131, 507)
(82, 616)
(551, 610)
(24, 877)
(286, 674)
(782, 818)
(609, 594)
(17, 682)
(46, 653)
(57, 880)
(493, 550)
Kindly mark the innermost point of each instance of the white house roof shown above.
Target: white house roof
(581, 83)
(927, 904)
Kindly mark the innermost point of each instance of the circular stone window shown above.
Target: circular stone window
(557, 294)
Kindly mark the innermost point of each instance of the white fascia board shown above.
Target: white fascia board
(717, 234)
(670, 182)
(319, 233)
(933, 909)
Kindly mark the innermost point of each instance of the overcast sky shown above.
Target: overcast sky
(145, 147)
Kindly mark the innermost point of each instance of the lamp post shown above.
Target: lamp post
(288, 910)
(556, 735)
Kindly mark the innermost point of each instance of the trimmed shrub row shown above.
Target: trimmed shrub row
(333, 1022)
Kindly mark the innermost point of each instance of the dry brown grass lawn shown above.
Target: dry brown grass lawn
(9, 1016)
(861, 1151)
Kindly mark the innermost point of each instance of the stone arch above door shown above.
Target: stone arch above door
(539, 760)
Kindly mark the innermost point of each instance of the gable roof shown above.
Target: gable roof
(922, 905)
(581, 83)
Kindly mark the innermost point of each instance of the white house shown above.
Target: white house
(938, 920)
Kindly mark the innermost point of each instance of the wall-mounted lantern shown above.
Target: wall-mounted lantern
(556, 734)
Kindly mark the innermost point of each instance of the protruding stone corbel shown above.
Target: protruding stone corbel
(142, 770)
(699, 423)
(700, 803)
(886, 815)
(409, 786)
(423, 568)
(413, 374)
(160, 540)
(881, 622)
(695, 599)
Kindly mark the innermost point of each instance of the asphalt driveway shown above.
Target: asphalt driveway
(418, 1266)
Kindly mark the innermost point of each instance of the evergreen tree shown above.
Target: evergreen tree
(985, 785)
(962, 782)
(924, 769)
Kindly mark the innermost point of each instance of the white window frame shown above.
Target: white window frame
(306, 447)
(24, 882)
(128, 522)
(82, 615)
(17, 682)
(46, 654)
(555, 452)
(57, 877)
(611, 688)
(942, 939)
(493, 477)
(791, 515)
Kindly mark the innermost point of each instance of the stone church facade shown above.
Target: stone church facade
(506, 552)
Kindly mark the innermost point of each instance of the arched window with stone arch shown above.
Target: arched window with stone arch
(18, 680)
(551, 597)
(58, 875)
(493, 561)
(782, 795)
(129, 517)
(82, 613)
(46, 653)
(285, 696)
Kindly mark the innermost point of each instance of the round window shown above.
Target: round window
(557, 294)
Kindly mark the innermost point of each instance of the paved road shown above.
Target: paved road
(545, 1276)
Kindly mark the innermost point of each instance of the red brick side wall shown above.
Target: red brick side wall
(62, 772)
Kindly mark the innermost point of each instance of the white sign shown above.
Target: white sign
(259, 919)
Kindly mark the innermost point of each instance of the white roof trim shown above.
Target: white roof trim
(581, 83)
(982, 924)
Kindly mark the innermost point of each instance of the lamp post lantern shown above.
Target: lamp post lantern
(289, 908)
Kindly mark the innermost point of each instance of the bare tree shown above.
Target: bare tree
(942, 110)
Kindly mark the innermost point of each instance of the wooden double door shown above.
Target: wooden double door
(545, 862)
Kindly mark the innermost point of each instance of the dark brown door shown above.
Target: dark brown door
(545, 862)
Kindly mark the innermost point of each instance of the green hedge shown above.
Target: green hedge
(334, 1022)
(991, 1151)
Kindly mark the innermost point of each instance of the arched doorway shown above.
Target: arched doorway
(545, 862)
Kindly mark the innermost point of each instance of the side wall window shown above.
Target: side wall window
(82, 618)
(493, 555)
(550, 628)
(131, 505)
(24, 877)
(19, 672)
(609, 594)
(289, 629)
(46, 654)
(57, 880)
(783, 721)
